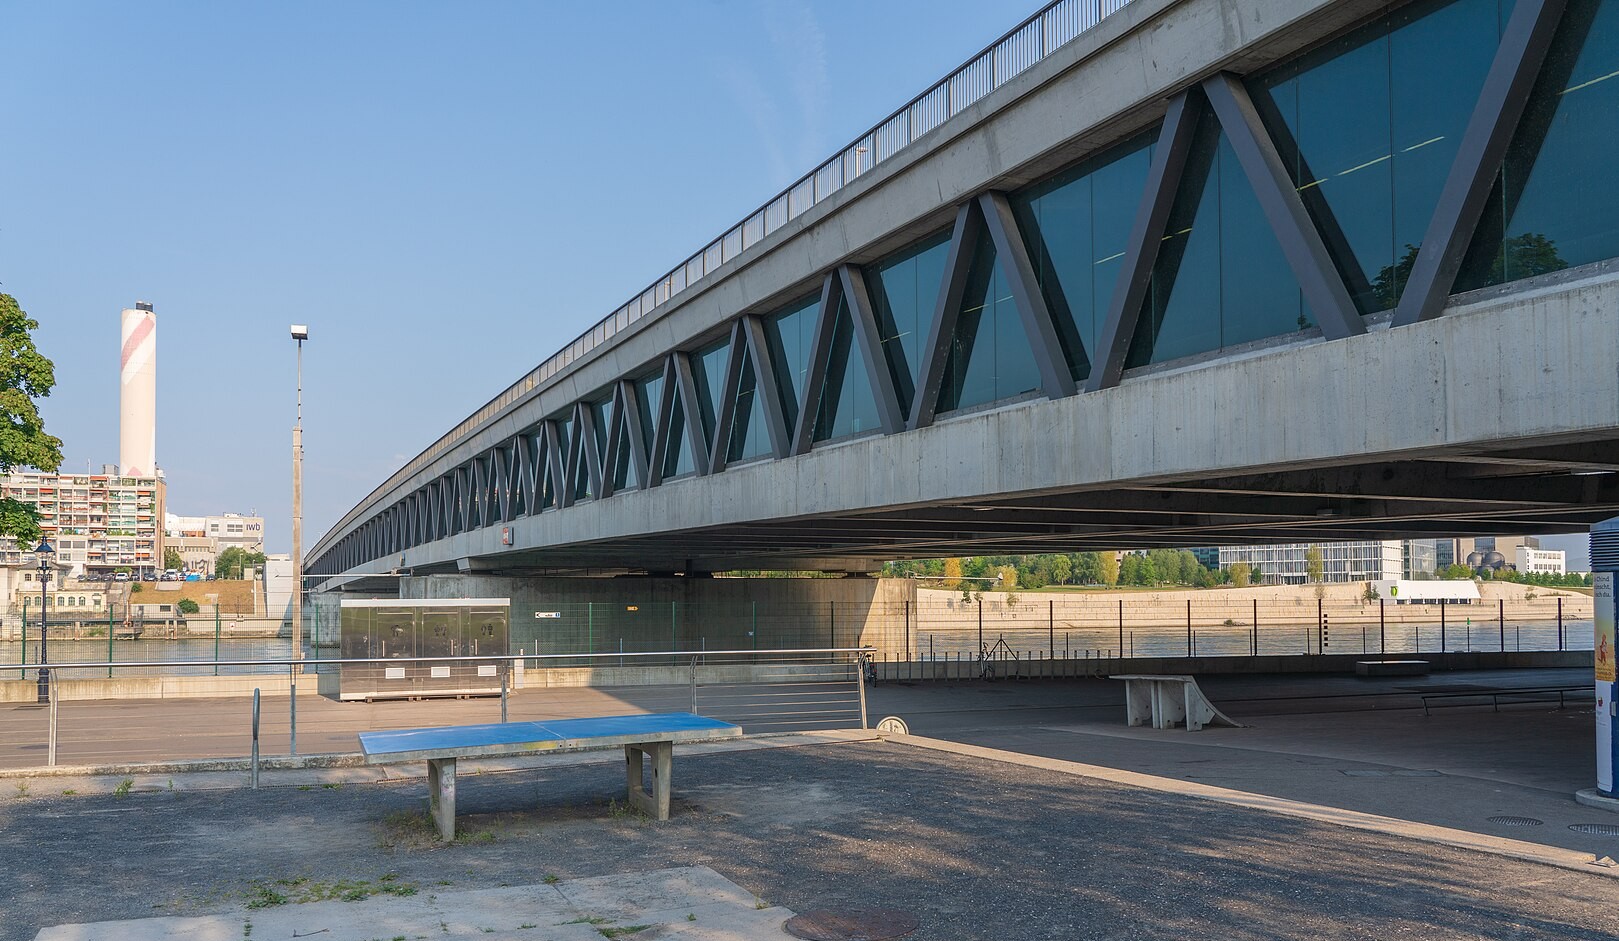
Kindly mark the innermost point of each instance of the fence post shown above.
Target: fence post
(1253, 646)
(1051, 625)
(907, 629)
(109, 638)
(1121, 628)
(1319, 616)
(22, 674)
(1501, 622)
(1559, 622)
(832, 624)
(292, 710)
(1188, 627)
(1442, 644)
(1382, 627)
(216, 640)
(505, 686)
(981, 626)
(255, 739)
(694, 685)
(860, 681)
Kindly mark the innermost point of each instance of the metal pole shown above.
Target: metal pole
(590, 628)
(1382, 627)
(44, 636)
(1559, 622)
(1319, 614)
(1188, 627)
(292, 710)
(255, 739)
(22, 660)
(693, 685)
(216, 638)
(860, 681)
(907, 629)
(832, 623)
(1253, 647)
(980, 626)
(1051, 625)
(110, 633)
(1501, 622)
(50, 758)
(1121, 629)
(1442, 646)
(298, 516)
(505, 684)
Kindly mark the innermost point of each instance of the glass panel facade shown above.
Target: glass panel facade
(789, 335)
(1369, 125)
(1221, 278)
(542, 471)
(677, 460)
(750, 438)
(1076, 226)
(648, 398)
(1554, 205)
(847, 405)
(708, 373)
(904, 291)
(620, 470)
(989, 356)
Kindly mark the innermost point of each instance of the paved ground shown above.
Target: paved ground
(1359, 744)
(976, 848)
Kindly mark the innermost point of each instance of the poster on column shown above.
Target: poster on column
(1603, 591)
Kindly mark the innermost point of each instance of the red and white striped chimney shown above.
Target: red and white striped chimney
(137, 393)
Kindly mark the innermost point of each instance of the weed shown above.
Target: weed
(306, 787)
(690, 917)
(407, 829)
(264, 896)
(482, 836)
(487, 930)
(444, 882)
(122, 790)
(527, 925)
(332, 787)
(761, 905)
(171, 784)
(589, 920)
(247, 929)
(69, 792)
(620, 932)
(22, 788)
(551, 878)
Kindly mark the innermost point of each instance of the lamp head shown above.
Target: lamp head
(300, 331)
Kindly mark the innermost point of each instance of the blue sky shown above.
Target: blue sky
(445, 193)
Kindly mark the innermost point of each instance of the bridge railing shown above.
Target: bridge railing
(1003, 60)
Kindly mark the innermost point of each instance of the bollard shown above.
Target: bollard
(859, 681)
(255, 739)
(694, 685)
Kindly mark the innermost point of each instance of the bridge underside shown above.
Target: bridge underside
(1523, 491)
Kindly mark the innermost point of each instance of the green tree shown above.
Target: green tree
(1313, 566)
(1062, 569)
(25, 375)
(233, 560)
(1240, 573)
(172, 560)
(1455, 572)
(1107, 570)
(188, 606)
(952, 573)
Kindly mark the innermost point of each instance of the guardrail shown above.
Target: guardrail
(1002, 60)
(760, 690)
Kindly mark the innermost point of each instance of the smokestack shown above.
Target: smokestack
(137, 393)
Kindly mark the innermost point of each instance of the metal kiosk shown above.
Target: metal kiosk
(399, 629)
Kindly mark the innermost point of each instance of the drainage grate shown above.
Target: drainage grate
(1598, 829)
(871, 924)
(1507, 820)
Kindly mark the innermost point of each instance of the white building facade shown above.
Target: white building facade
(1286, 563)
(1532, 561)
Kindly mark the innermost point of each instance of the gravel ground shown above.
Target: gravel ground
(977, 849)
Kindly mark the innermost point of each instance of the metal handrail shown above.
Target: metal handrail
(1031, 41)
(288, 661)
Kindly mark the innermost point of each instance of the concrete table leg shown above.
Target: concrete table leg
(656, 803)
(441, 796)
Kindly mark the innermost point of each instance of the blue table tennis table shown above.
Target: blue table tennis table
(652, 736)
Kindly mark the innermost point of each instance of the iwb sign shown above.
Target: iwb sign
(548, 614)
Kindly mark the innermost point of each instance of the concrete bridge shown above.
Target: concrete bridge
(1166, 272)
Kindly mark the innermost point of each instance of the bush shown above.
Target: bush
(187, 606)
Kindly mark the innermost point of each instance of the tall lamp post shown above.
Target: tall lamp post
(300, 333)
(43, 554)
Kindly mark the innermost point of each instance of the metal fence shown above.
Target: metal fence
(264, 714)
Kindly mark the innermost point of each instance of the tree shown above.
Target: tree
(1008, 583)
(172, 560)
(1107, 568)
(952, 573)
(1313, 567)
(188, 606)
(232, 561)
(1453, 572)
(25, 375)
(1240, 573)
(1062, 568)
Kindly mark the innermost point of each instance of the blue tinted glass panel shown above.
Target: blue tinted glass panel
(648, 399)
(708, 373)
(750, 438)
(989, 358)
(1076, 226)
(677, 457)
(847, 406)
(1553, 206)
(789, 335)
(904, 292)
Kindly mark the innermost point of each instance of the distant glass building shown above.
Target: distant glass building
(1284, 563)
(1421, 558)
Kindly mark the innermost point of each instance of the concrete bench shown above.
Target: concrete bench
(1169, 701)
(1391, 667)
(653, 736)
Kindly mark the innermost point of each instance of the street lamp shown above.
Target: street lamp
(300, 333)
(43, 553)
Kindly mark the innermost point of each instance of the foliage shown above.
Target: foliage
(952, 573)
(1240, 573)
(1107, 568)
(171, 559)
(25, 375)
(230, 563)
(973, 575)
(1546, 579)
(188, 606)
(1370, 594)
(1314, 568)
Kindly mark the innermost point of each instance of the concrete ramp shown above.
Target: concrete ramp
(1169, 701)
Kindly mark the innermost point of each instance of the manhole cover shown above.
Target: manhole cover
(869, 924)
(1599, 829)
(1507, 820)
